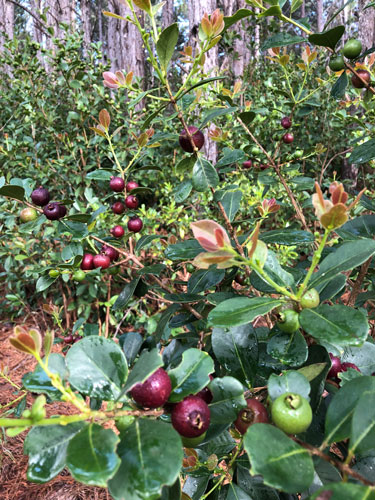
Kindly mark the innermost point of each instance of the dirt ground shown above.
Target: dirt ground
(13, 463)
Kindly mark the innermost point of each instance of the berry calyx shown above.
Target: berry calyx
(52, 211)
(117, 231)
(335, 367)
(336, 63)
(118, 208)
(101, 260)
(357, 82)
(198, 139)
(352, 48)
(255, 413)
(288, 138)
(291, 413)
(289, 322)
(87, 262)
(28, 214)
(346, 365)
(117, 184)
(135, 224)
(154, 392)
(111, 252)
(310, 299)
(286, 122)
(247, 164)
(40, 196)
(191, 417)
(131, 185)
(131, 201)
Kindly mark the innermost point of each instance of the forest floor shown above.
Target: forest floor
(13, 463)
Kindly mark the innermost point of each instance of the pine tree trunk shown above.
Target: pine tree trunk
(319, 15)
(86, 23)
(366, 25)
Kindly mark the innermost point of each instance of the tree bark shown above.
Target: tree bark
(168, 16)
(319, 15)
(6, 21)
(366, 25)
(85, 8)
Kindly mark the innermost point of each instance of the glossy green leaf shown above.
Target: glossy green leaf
(346, 257)
(97, 368)
(39, 382)
(347, 491)
(236, 349)
(341, 409)
(315, 370)
(274, 270)
(166, 44)
(78, 230)
(328, 38)
(47, 450)
(362, 153)
(336, 324)
(125, 295)
(289, 349)
(237, 16)
(231, 201)
(288, 237)
(282, 40)
(91, 456)
(182, 191)
(210, 115)
(241, 310)
(236, 493)
(329, 289)
(191, 375)
(339, 87)
(100, 175)
(290, 381)
(156, 269)
(363, 357)
(230, 156)
(296, 4)
(43, 283)
(283, 463)
(362, 436)
(130, 343)
(147, 364)
(145, 240)
(360, 227)
(172, 492)
(13, 191)
(194, 487)
(164, 320)
(228, 400)
(203, 279)
(254, 485)
(184, 250)
(151, 457)
(204, 175)
(272, 11)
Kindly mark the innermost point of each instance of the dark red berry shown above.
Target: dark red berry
(40, 196)
(101, 260)
(78, 338)
(288, 138)
(117, 184)
(117, 231)
(247, 164)
(286, 122)
(357, 82)
(335, 368)
(240, 279)
(255, 413)
(135, 224)
(112, 253)
(52, 211)
(345, 366)
(131, 201)
(131, 185)
(198, 139)
(118, 207)
(62, 210)
(87, 262)
(264, 167)
(191, 417)
(154, 392)
(68, 339)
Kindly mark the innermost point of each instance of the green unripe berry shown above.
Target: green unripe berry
(124, 422)
(289, 322)
(310, 299)
(54, 273)
(194, 441)
(336, 63)
(291, 413)
(79, 275)
(352, 48)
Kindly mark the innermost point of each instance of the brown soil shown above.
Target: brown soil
(13, 463)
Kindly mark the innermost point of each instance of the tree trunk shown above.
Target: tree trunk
(319, 15)
(86, 23)
(6, 21)
(366, 25)
(35, 7)
(167, 14)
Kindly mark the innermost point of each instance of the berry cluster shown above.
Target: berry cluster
(41, 197)
(135, 224)
(338, 367)
(351, 50)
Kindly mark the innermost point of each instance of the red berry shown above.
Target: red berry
(288, 138)
(117, 184)
(131, 201)
(52, 211)
(345, 366)
(118, 231)
(205, 393)
(87, 262)
(118, 207)
(154, 392)
(357, 82)
(62, 210)
(40, 196)
(255, 413)
(191, 417)
(68, 339)
(101, 260)
(135, 224)
(335, 368)
(198, 139)
(112, 253)
(247, 164)
(131, 185)
(78, 338)
(286, 122)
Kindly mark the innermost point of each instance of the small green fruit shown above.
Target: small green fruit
(291, 413)
(124, 422)
(255, 150)
(194, 441)
(28, 214)
(352, 48)
(310, 299)
(298, 153)
(336, 63)
(289, 322)
(79, 275)
(54, 273)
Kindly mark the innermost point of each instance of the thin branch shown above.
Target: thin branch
(358, 283)
(41, 25)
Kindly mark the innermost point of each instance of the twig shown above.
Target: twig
(358, 282)
(365, 83)
(330, 161)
